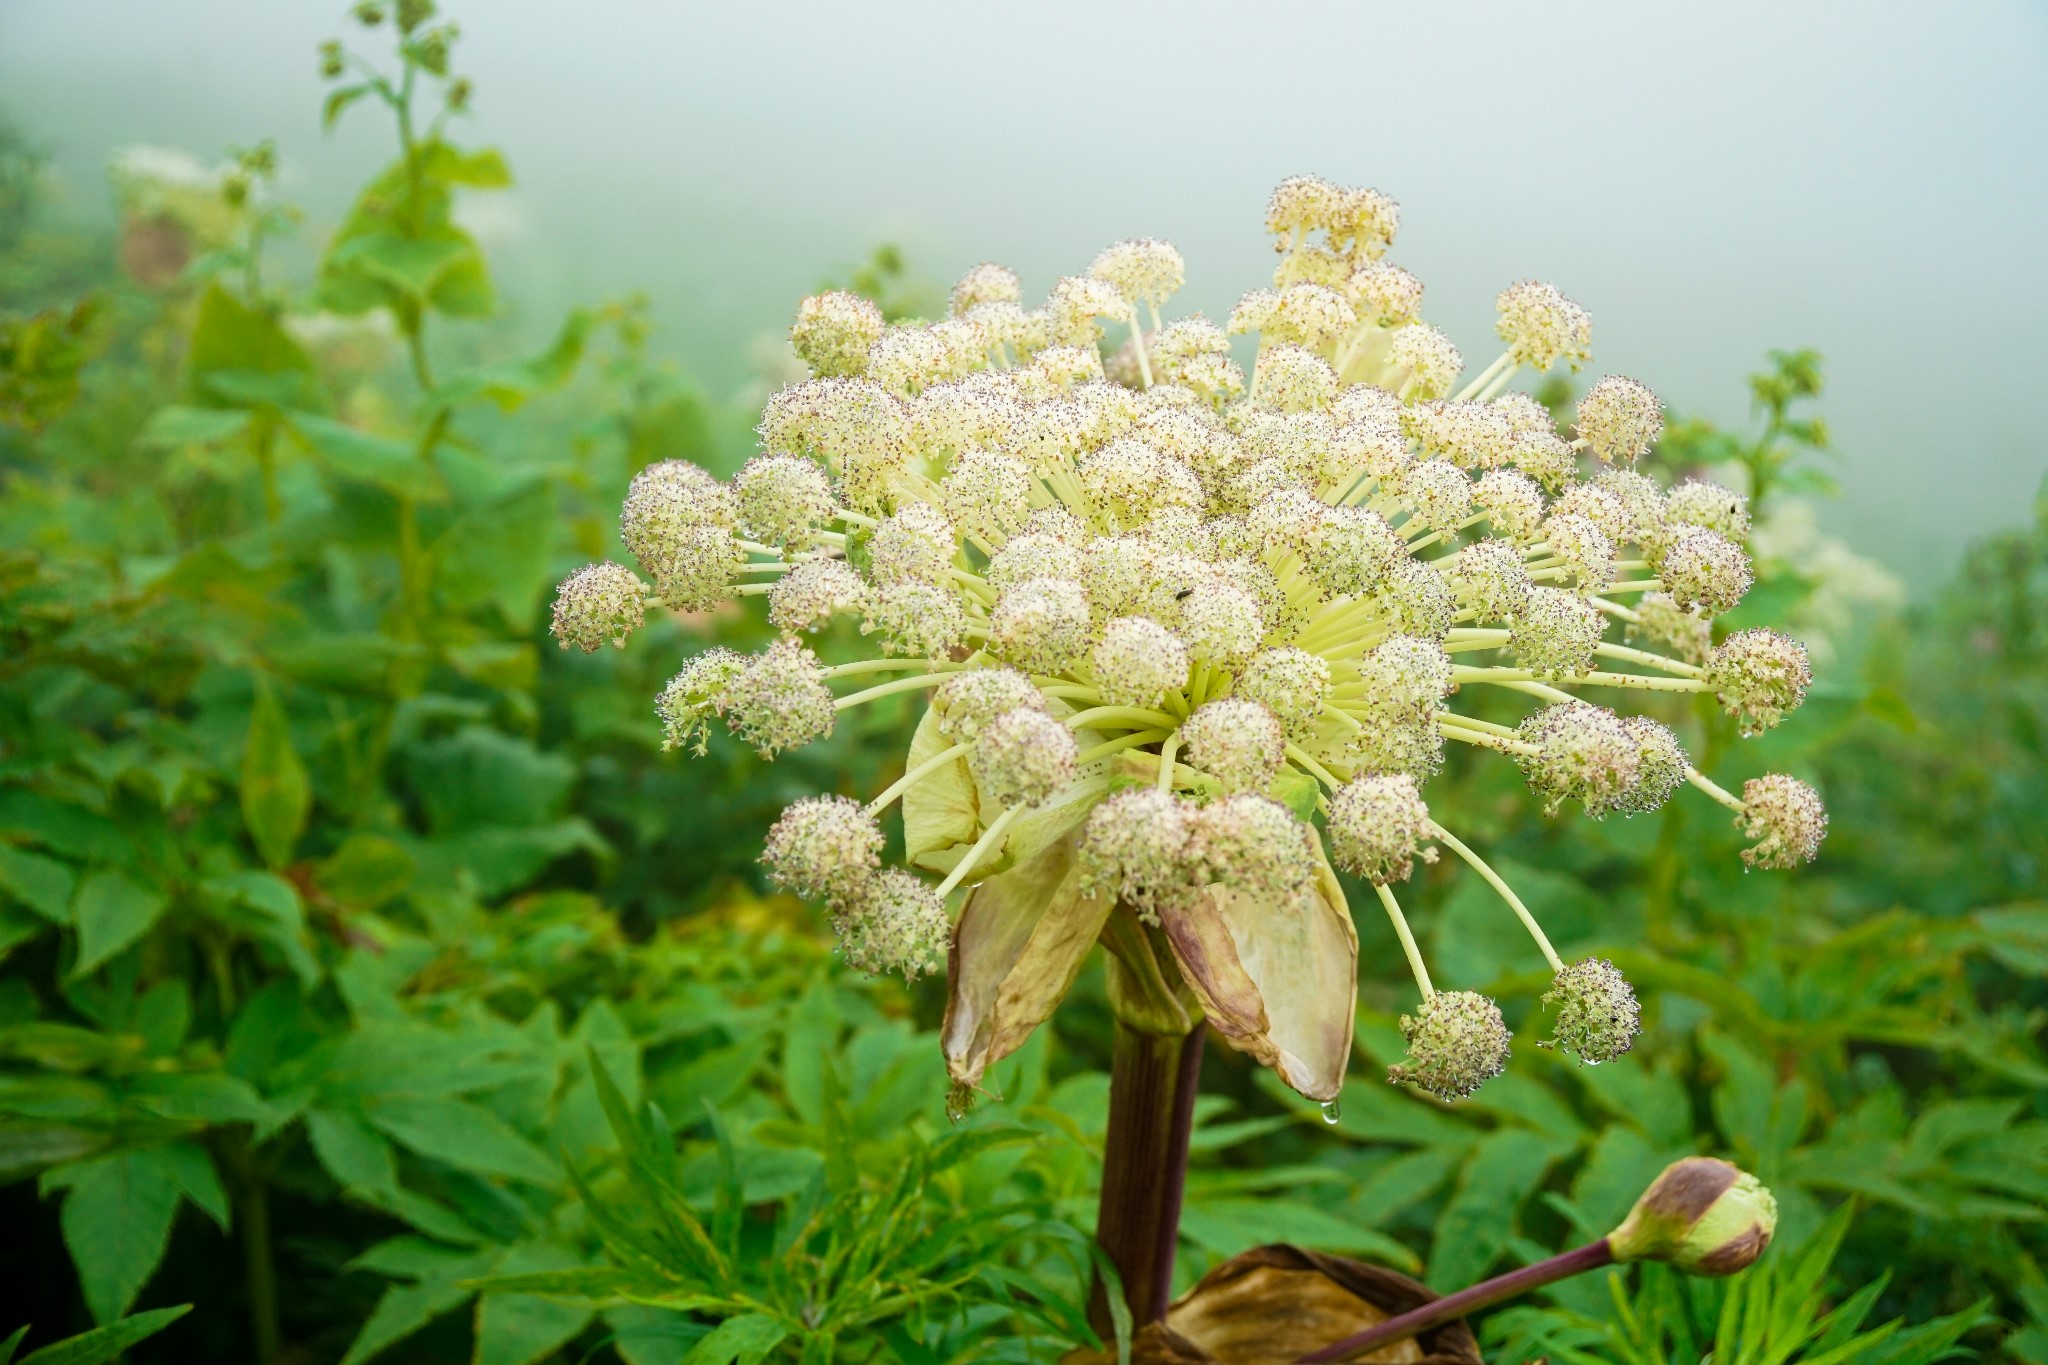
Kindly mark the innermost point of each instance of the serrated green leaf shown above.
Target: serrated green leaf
(738, 1341)
(112, 912)
(519, 1328)
(42, 884)
(117, 1220)
(402, 1311)
(466, 1136)
(101, 1343)
(276, 793)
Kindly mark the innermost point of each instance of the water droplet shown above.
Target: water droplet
(959, 1101)
(1331, 1113)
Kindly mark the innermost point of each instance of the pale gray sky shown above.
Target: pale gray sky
(1710, 180)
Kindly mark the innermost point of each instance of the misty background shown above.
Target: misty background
(1710, 181)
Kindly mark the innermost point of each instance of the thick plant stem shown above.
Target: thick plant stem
(1439, 1311)
(1153, 1080)
(252, 1213)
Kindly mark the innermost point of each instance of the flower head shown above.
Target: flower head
(1597, 1014)
(1457, 1042)
(599, 605)
(1190, 640)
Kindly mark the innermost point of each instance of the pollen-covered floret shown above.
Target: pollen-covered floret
(967, 701)
(1642, 505)
(1238, 742)
(1706, 570)
(1352, 551)
(1365, 222)
(1022, 758)
(599, 605)
(1787, 819)
(1554, 634)
(1541, 326)
(1661, 766)
(1416, 599)
(1700, 502)
(1303, 203)
(1291, 683)
(824, 848)
(1490, 579)
(1759, 676)
(1584, 753)
(1220, 622)
(986, 494)
(1512, 502)
(1620, 419)
(1033, 554)
(1134, 847)
(1545, 457)
(1143, 269)
(1252, 311)
(1129, 481)
(696, 694)
(1597, 1013)
(1310, 315)
(1375, 823)
(1294, 379)
(1473, 435)
(898, 924)
(985, 284)
(1457, 1042)
(1427, 356)
(1385, 294)
(678, 521)
(833, 332)
(1179, 342)
(1076, 303)
(1041, 626)
(915, 619)
(783, 499)
(1682, 630)
(1251, 843)
(1367, 403)
(1524, 414)
(1584, 549)
(1440, 493)
(812, 593)
(779, 700)
(1596, 505)
(1137, 662)
(916, 545)
(906, 358)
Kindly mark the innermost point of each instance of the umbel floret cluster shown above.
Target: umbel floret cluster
(1190, 633)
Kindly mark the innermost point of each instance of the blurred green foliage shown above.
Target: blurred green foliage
(370, 980)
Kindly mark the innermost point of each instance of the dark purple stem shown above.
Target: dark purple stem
(1145, 1159)
(1483, 1295)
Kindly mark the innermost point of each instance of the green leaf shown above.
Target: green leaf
(738, 1341)
(466, 1136)
(117, 1221)
(366, 871)
(402, 1311)
(394, 466)
(112, 912)
(1475, 1226)
(518, 1329)
(338, 101)
(176, 426)
(44, 885)
(231, 339)
(510, 385)
(101, 1343)
(353, 1153)
(276, 793)
(411, 265)
(499, 556)
(1226, 1227)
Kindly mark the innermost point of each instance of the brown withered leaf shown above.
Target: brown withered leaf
(1279, 980)
(1017, 949)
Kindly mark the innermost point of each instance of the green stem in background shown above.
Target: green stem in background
(251, 1193)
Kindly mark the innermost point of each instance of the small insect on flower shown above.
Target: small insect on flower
(1189, 642)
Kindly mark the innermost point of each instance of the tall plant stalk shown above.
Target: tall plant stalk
(1155, 1073)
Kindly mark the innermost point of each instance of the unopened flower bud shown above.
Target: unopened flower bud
(1703, 1215)
(1457, 1042)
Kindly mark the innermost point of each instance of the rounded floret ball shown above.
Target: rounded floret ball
(1375, 823)
(1022, 758)
(599, 605)
(1597, 1013)
(1457, 1042)
(1759, 676)
(1787, 819)
(824, 848)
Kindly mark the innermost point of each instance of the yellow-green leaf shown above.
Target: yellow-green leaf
(276, 794)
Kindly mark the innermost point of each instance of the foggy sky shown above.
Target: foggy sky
(1711, 181)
